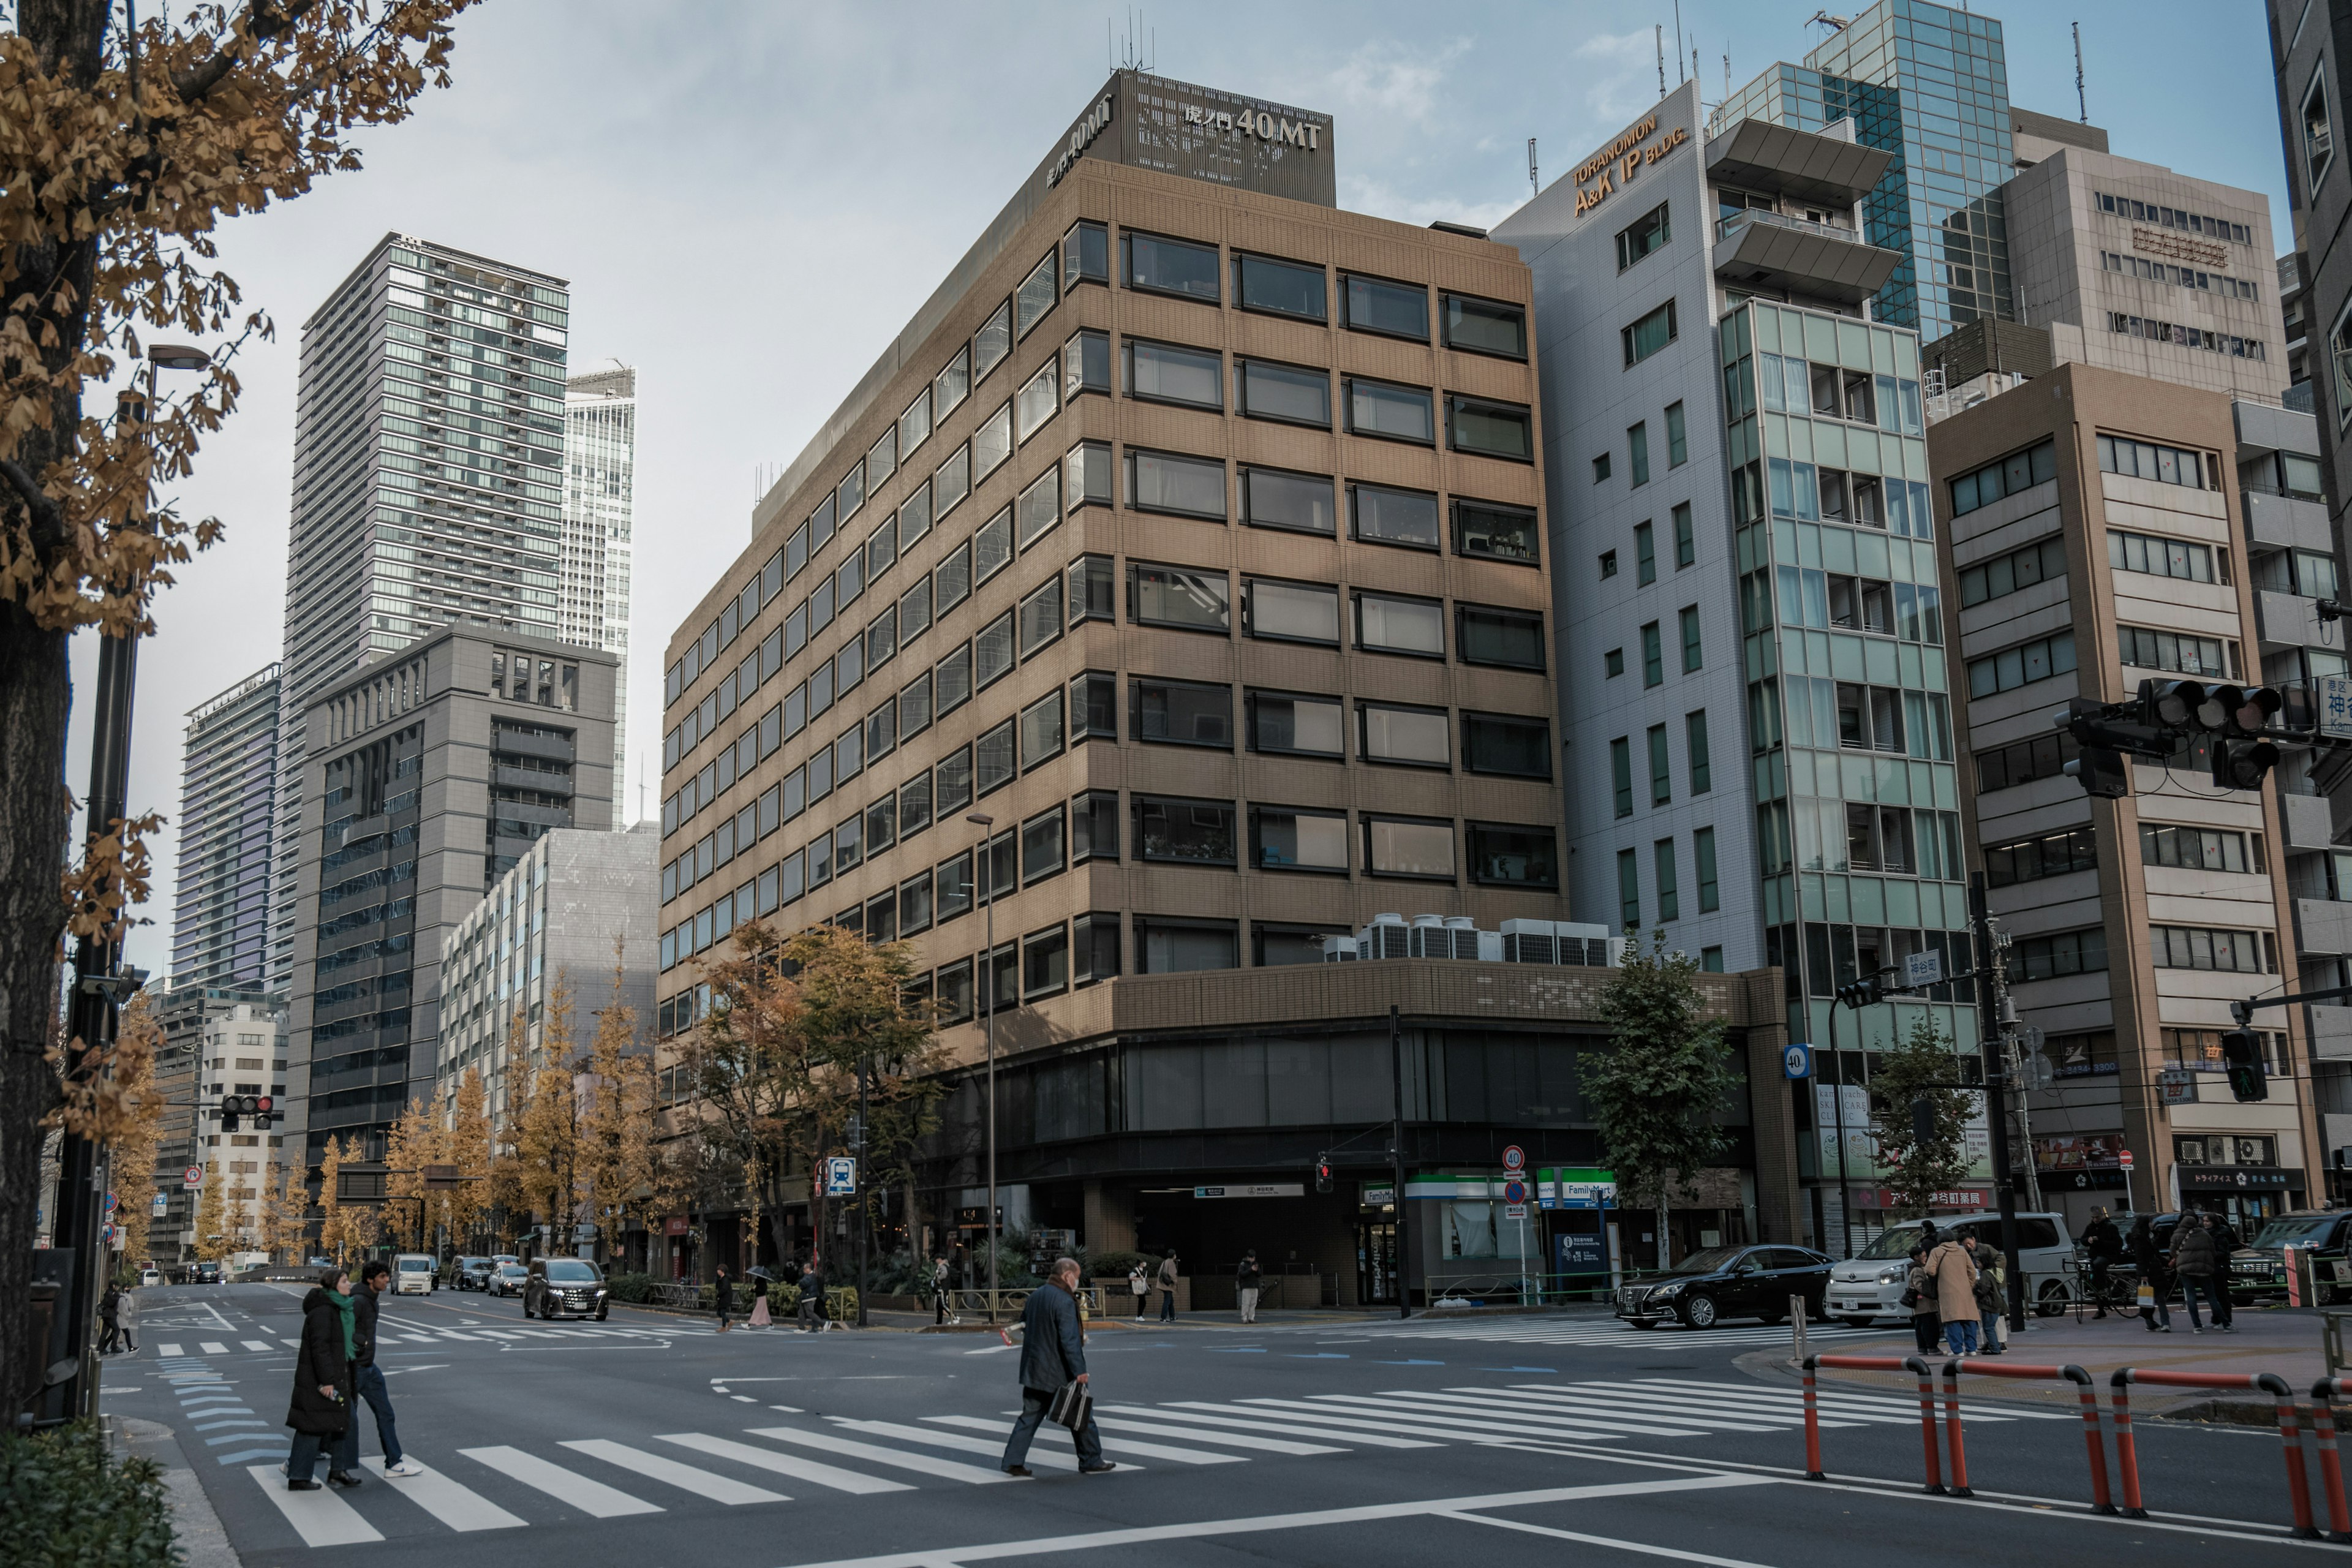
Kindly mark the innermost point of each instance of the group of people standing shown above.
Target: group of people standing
(2196, 1263)
(1958, 1286)
(808, 1276)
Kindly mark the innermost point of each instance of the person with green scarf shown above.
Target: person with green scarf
(321, 1408)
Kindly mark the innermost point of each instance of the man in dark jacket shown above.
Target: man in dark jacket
(367, 1380)
(1053, 1353)
(321, 1405)
(110, 1319)
(2105, 1242)
(2193, 1259)
(811, 1298)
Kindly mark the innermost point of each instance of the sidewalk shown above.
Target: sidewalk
(195, 1527)
(2283, 1340)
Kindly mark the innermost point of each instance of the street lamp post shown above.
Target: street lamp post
(982, 865)
(100, 984)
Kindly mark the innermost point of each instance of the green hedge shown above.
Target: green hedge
(631, 1286)
(1115, 1264)
(65, 1503)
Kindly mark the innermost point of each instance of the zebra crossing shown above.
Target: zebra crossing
(396, 1330)
(510, 1485)
(1610, 1332)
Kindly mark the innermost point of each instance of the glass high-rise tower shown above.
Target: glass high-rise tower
(428, 482)
(229, 772)
(600, 453)
(1930, 85)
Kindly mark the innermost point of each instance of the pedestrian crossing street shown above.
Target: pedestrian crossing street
(506, 1486)
(398, 1332)
(1535, 1330)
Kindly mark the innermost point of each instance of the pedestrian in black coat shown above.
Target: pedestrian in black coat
(722, 1295)
(109, 1320)
(321, 1405)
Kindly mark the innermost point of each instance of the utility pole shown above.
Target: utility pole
(1992, 1002)
(1837, 1120)
(865, 1192)
(1401, 1272)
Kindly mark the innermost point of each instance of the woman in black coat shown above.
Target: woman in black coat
(321, 1405)
(722, 1296)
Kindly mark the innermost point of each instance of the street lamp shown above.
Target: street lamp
(983, 865)
(97, 994)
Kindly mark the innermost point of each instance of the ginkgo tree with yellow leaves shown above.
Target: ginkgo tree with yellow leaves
(121, 153)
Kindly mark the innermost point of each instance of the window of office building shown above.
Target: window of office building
(1165, 266)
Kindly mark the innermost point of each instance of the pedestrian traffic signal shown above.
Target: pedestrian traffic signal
(2242, 1057)
(1323, 1173)
(1861, 993)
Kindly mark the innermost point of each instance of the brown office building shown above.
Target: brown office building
(1190, 535)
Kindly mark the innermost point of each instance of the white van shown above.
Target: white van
(1869, 1285)
(413, 1274)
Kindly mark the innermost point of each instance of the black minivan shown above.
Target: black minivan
(565, 1288)
(1721, 1282)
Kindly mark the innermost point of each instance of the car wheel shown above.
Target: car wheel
(1641, 1323)
(2052, 1299)
(600, 1313)
(1772, 1320)
(1699, 1311)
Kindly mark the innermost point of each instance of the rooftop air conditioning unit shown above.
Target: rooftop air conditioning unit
(1339, 949)
(1384, 937)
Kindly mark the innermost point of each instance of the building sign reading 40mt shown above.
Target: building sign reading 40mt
(1264, 126)
(1617, 163)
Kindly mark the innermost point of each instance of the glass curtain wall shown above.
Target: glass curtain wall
(1930, 84)
(1846, 648)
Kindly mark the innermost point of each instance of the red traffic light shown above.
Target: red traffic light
(262, 1104)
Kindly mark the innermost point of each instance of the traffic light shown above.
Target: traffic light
(2180, 705)
(2100, 771)
(1860, 992)
(231, 1108)
(2242, 1057)
(2243, 764)
(264, 1114)
(2246, 710)
(235, 1107)
(1323, 1173)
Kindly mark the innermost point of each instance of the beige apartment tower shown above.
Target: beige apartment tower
(2098, 540)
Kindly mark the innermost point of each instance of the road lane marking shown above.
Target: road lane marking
(686, 1477)
(258, 1344)
(1144, 1535)
(213, 1347)
(458, 1506)
(1132, 1418)
(320, 1518)
(1272, 1421)
(593, 1499)
(922, 1464)
(164, 1353)
(783, 1464)
(1050, 1459)
(1124, 1444)
(1644, 1548)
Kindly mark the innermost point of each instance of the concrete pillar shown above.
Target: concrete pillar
(1773, 1119)
(1110, 1219)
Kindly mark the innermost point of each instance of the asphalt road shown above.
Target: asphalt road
(651, 1440)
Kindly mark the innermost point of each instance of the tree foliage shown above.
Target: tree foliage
(1922, 1067)
(774, 1064)
(136, 1134)
(120, 155)
(1655, 1090)
(212, 1236)
(621, 1158)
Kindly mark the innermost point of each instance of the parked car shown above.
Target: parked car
(1869, 1285)
(472, 1273)
(413, 1275)
(565, 1288)
(506, 1280)
(149, 1276)
(2258, 1271)
(1721, 1282)
(205, 1274)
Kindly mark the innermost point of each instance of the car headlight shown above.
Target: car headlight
(1663, 1291)
(1890, 1276)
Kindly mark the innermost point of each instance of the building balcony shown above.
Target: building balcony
(2322, 926)
(556, 747)
(540, 779)
(2283, 521)
(2284, 621)
(2331, 1034)
(1804, 166)
(2308, 820)
(1761, 250)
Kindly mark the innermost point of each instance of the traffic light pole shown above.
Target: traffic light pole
(1992, 1005)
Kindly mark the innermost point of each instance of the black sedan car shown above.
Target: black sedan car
(565, 1288)
(1722, 1282)
(472, 1273)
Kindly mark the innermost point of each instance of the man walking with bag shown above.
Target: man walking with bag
(1053, 1363)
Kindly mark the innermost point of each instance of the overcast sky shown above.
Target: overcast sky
(750, 199)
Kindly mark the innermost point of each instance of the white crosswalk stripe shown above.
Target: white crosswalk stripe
(844, 1447)
(320, 1518)
(453, 1503)
(791, 1465)
(1608, 1331)
(1201, 1411)
(1142, 1418)
(1111, 1446)
(686, 1477)
(256, 1345)
(1052, 1457)
(213, 1347)
(592, 1498)
(162, 1351)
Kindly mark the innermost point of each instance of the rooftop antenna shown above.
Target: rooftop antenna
(1678, 50)
(2081, 102)
(1727, 76)
(1661, 30)
(1535, 186)
(1834, 23)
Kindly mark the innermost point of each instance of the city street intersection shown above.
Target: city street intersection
(651, 1439)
